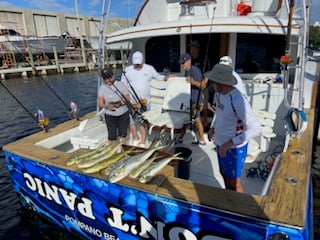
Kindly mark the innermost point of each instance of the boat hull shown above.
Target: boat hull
(97, 209)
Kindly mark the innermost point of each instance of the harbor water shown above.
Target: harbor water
(15, 123)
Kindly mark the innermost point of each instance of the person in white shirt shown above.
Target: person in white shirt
(234, 125)
(137, 77)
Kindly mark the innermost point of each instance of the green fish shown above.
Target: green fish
(155, 167)
(77, 157)
(107, 162)
(122, 170)
(86, 163)
(136, 172)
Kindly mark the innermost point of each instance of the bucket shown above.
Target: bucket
(182, 170)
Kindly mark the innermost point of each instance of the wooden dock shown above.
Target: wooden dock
(60, 68)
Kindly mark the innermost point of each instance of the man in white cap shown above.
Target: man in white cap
(137, 77)
(228, 61)
(234, 125)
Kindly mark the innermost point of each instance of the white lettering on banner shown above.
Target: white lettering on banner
(83, 226)
(142, 227)
(83, 204)
(149, 231)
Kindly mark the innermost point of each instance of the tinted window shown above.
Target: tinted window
(163, 53)
(265, 50)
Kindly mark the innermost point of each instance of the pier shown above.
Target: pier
(66, 43)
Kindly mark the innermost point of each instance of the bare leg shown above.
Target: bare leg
(143, 134)
(133, 130)
(233, 184)
(200, 129)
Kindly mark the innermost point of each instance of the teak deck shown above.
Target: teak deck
(285, 203)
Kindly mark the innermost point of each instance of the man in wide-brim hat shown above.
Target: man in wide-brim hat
(234, 125)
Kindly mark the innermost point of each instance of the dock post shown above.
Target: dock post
(56, 59)
(31, 62)
(3, 76)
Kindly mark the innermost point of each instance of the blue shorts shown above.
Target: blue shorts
(232, 165)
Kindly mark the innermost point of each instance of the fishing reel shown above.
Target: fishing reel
(42, 120)
(141, 106)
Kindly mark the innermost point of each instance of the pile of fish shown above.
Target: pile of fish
(115, 163)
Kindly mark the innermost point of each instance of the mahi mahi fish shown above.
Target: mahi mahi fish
(107, 162)
(77, 157)
(85, 163)
(122, 170)
(136, 172)
(155, 167)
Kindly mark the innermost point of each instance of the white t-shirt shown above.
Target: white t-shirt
(140, 80)
(230, 108)
(112, 93)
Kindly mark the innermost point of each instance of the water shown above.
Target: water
(15, 122)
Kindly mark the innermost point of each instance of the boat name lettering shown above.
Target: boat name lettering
(51, 192)
(171, 231)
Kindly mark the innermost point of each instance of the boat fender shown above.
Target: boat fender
(296, 120)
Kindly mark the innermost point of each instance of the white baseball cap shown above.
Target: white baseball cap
(137, 58)
(225, 60)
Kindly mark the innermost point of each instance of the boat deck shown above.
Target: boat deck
(294, 164)
(281, 199)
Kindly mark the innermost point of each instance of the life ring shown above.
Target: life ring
(296, 120)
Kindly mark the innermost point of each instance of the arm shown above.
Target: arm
(103, 104)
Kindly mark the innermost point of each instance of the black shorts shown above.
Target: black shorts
(117, 125)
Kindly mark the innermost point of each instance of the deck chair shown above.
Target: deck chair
(175, 110)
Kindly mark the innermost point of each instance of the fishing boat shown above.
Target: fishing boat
(188, 199)
(12, 41)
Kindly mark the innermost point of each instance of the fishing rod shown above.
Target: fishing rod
(72, 109)
(191, 110)
(40, 120)
(143, 106)
(134, 112)
(205, 62)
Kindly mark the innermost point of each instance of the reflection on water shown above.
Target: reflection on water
(15, 122)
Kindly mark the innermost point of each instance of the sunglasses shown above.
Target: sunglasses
(137, 66)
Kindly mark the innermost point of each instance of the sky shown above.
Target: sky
(119, 8)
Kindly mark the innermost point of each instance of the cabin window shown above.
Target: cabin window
(264, 50)
(163, 53)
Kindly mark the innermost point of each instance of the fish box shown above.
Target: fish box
(93, 133)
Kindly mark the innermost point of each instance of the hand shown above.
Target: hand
(224, 148)
(210, 134)
(189, 80)
(110, 106)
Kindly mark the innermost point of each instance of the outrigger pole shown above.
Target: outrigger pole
(101, 50)
(42, 122)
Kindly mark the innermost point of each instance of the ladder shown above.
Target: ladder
(7, 52)
(298, 12)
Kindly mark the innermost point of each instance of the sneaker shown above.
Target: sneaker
(199, 143)
(136, 142)
(143, 145)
